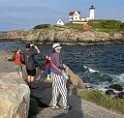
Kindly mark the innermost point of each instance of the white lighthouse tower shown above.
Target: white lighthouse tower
(92, 12)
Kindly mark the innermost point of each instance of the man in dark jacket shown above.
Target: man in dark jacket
(29, 53)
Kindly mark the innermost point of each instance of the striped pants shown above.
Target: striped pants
(58, 86)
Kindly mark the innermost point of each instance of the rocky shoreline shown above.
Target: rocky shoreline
(80, 108)
(63, 35)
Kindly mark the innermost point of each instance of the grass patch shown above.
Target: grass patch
(33, 108)
(78, 27)
(95, 96)
(108, 24)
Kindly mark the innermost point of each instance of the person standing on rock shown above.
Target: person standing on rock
(58, 82)
(17, 58)
(29, 53)
(48, 66)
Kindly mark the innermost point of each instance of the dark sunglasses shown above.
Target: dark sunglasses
(58, 49)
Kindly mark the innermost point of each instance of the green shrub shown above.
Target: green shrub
(122, 25)
(111, 24)
(97, 97)
(108, 24)
(41, 26)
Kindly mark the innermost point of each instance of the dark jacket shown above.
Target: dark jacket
(29, 58)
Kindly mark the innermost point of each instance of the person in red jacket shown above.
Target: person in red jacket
(17, 58)
(48, 65)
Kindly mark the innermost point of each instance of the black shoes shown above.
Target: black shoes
(33, 87)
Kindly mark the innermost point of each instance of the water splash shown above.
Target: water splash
(91, 70)
(96, 79)
(120, 79)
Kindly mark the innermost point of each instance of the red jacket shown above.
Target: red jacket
(48, 64)
(18, 59)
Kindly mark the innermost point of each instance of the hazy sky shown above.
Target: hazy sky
(25, 14)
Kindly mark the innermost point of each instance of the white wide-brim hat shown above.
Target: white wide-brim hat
(56, 46)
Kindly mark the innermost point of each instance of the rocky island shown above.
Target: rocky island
(63, 35)
(100, 32)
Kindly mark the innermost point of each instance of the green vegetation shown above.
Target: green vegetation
(105, 25)
(95, 25)
(75, 26)
(111, 24)
(33, 108)
(41, 26)
(98, 98)
(48, 26)
(122, 26)
(100, 25)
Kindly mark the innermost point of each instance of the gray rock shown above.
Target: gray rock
(116, 87)
(121, 95)
(14, 96)
(111, 93)
(75, 80)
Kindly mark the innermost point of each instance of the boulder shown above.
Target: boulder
(14, 96)
(75, 80)
(121, 95)
(111, 93)
(116, 87)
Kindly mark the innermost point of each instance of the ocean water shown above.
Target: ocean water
(98, 65)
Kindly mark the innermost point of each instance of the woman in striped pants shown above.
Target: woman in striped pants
(58, 82)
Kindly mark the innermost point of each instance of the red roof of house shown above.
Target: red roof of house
(72, 13)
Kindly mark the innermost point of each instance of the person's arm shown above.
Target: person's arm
(34, 50)
(38, 51)
(59, 62)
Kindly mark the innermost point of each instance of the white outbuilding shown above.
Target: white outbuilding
(60, 22)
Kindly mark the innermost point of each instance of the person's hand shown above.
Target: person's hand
(49, 58)
(22, 65)
(66, 67)
(31, 45)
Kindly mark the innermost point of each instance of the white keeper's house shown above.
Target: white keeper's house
(60, 22)
(75, 16)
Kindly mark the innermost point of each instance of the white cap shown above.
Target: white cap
(56, 46)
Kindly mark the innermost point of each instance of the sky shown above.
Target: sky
(25, 14)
